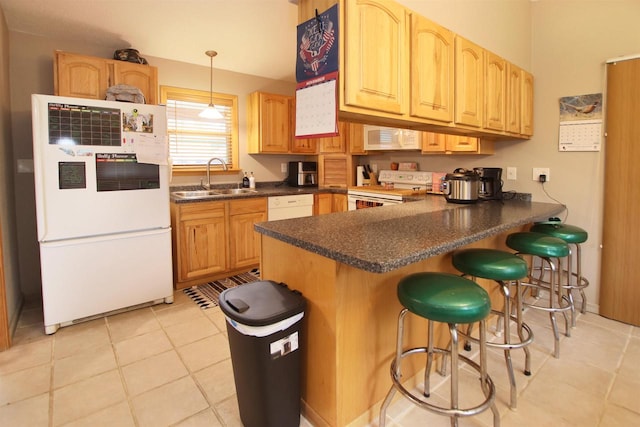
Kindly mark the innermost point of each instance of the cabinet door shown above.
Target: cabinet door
(202, 241)
(322, 203)
(526, 121)
(469, 83)
(461, 144)
(433, 142)
(80, 76)
(340, 203)
(335, 144)
(244, 241)
(432, 60)
(269, 123)
(376, 65)
(514, 98)
(144, 77)
(495, 92)
(356, 139)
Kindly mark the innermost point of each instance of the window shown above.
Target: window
(194, 140)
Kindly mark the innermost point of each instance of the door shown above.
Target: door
(619, 292)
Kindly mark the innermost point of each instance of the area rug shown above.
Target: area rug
(206, 295)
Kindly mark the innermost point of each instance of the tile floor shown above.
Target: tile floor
(169, 365)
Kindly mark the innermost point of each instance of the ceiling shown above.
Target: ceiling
(256, 37)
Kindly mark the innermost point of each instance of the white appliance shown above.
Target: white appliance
(102, 217)
(394, 185)
(385, 138)
(287, 207)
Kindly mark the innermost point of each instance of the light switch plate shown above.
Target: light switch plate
(512, 173)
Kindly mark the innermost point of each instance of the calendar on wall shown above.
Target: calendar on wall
(580, 123)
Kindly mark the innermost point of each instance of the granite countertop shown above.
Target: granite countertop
(380, 240)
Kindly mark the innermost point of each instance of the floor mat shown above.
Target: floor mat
(206, 295)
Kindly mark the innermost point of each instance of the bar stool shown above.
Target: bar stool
(547, 248)
(504, 268)
(451, 299)
(575, 280)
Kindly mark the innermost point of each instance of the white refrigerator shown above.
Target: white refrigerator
(102, 206)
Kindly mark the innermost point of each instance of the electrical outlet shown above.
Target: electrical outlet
(512, 173)
(541, 171)
(283, 167)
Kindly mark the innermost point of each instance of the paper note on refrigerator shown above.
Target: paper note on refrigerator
(150, 148)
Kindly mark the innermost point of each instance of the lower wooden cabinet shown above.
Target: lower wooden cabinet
(324, 203)
(199, 240)
(215, 239)
(244, 242)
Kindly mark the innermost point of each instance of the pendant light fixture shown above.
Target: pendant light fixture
(211, 112)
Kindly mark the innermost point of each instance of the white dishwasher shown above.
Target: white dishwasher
(294, 206)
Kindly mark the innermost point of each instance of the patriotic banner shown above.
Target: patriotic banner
(317, 45)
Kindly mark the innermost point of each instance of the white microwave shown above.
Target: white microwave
(384, 138)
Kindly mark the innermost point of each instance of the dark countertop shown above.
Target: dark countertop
(380, 240)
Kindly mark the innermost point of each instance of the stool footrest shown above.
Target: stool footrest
(528, 339)
(460, 412)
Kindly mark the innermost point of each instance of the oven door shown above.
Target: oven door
(362, 200)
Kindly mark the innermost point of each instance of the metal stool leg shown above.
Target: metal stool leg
(395, 368)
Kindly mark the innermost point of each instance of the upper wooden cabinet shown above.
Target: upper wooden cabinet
(376, 66)
(356, 139)
(83, 76)
(469, 83)
(400, 69)
(495, 84)
(526, 110)
(514, 99)
(269, 123)
(271, 126)
(438, 143)
(432, 70)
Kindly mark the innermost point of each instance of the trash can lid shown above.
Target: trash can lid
(261, 303)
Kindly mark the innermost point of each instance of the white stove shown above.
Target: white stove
(394, 185)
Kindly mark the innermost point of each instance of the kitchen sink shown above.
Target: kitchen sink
(234, 191)
(199, 194)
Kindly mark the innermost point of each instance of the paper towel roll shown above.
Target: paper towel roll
(359, 175)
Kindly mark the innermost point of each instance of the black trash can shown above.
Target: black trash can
(264, 322)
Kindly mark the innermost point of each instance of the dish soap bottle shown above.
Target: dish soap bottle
(252, 181)
(245, 181)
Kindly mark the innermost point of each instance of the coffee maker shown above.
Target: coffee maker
(490, 183)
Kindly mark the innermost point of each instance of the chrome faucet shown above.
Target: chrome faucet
(224, 166)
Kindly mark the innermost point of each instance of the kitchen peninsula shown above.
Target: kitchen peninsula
(347, 266)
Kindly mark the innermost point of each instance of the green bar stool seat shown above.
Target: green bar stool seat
(551, 252)
(450, 299)
(505, 269)
(574, 236)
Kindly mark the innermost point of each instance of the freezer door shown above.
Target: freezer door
(87, 277)
(87, 180)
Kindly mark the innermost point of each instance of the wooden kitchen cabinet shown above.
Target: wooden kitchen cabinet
(469, 75)
(244, 242)
(335, 144)
(438, 143)
(199, 240)
(495, 88)
(432, 70)
(215, 239)
(356, 139)
(376, 65)
(84, 76)
(269, 123)
(514, 98)
(526, 109)
(399, 69)
(340, 203)
(322, 203)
